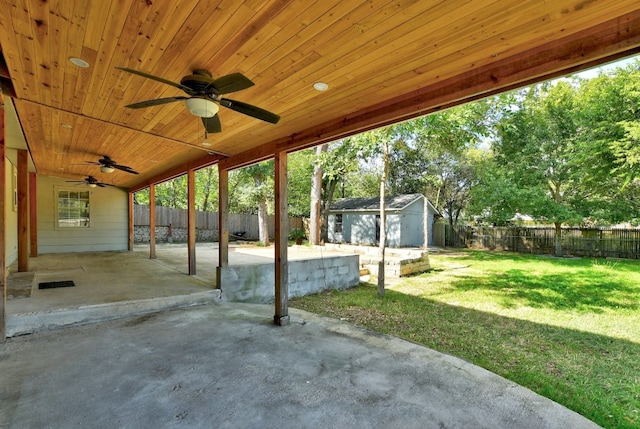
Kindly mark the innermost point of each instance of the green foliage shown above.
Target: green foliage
(296, 233)
(300, 169)
(173, 193)
(250, 186)
(610, 114)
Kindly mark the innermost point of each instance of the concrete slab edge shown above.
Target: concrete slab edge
(29, 323)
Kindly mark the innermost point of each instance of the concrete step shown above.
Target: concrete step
(29, 323)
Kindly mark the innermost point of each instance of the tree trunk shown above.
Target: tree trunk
(315, 220)
(207, 189)
(383, 220)
(263, 225)
(331, 188)
(558, 239)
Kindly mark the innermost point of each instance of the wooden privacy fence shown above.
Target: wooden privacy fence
(177, 218)
(595, 242)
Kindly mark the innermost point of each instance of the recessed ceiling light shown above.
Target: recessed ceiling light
(66, 126)
(320, 86)
(79, 62)
(207, 144)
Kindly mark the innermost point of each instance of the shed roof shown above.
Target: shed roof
(394, 202)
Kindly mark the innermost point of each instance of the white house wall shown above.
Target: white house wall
(11, 215)
(108, 220)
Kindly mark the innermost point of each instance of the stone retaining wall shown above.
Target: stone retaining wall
(398, 261)
(178, 235)
(399, 267)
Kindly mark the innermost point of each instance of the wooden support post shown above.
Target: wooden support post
(223, 224)
(152, 221)
(33, 215)
(131, 224)
(3, 233)
(191, 221)
(281, 234)
(23, 210)
(223, 218)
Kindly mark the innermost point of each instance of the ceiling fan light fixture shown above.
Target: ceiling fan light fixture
(91, 185)
(202, 107)
(106, 169)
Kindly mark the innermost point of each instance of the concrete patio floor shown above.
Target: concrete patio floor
(110, 285)
(227, 366)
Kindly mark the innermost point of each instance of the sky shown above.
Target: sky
(591, 73)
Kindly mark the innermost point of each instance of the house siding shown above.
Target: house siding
(108, 214)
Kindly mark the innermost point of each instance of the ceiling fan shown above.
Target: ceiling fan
(108, 165)
(205, 96)
(91, 182)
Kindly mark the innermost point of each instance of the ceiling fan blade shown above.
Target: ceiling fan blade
(124, 168)
(159, 79)
(102, 185)
(231, 83)
(250, 110)
(212, 124)
(156, 102)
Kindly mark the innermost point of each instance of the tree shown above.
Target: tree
(608, 143)
(207, 189)
(433, 157)
(315, 221)
(536, 150)
(379, 142)
(255, 184)
(383, 217)
(299, 169)
(340, 159)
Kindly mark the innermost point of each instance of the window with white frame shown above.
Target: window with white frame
(338, 223)
(73, 208)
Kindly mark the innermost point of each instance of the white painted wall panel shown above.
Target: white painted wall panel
(109, 223)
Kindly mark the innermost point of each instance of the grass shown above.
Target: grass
(568, 329)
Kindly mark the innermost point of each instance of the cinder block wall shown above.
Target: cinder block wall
(256, 283)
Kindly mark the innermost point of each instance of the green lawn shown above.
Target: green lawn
(568, 329)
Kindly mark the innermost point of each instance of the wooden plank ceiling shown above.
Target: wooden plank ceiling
(383, 61)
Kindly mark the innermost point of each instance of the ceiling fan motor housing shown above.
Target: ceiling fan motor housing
(199, 82)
